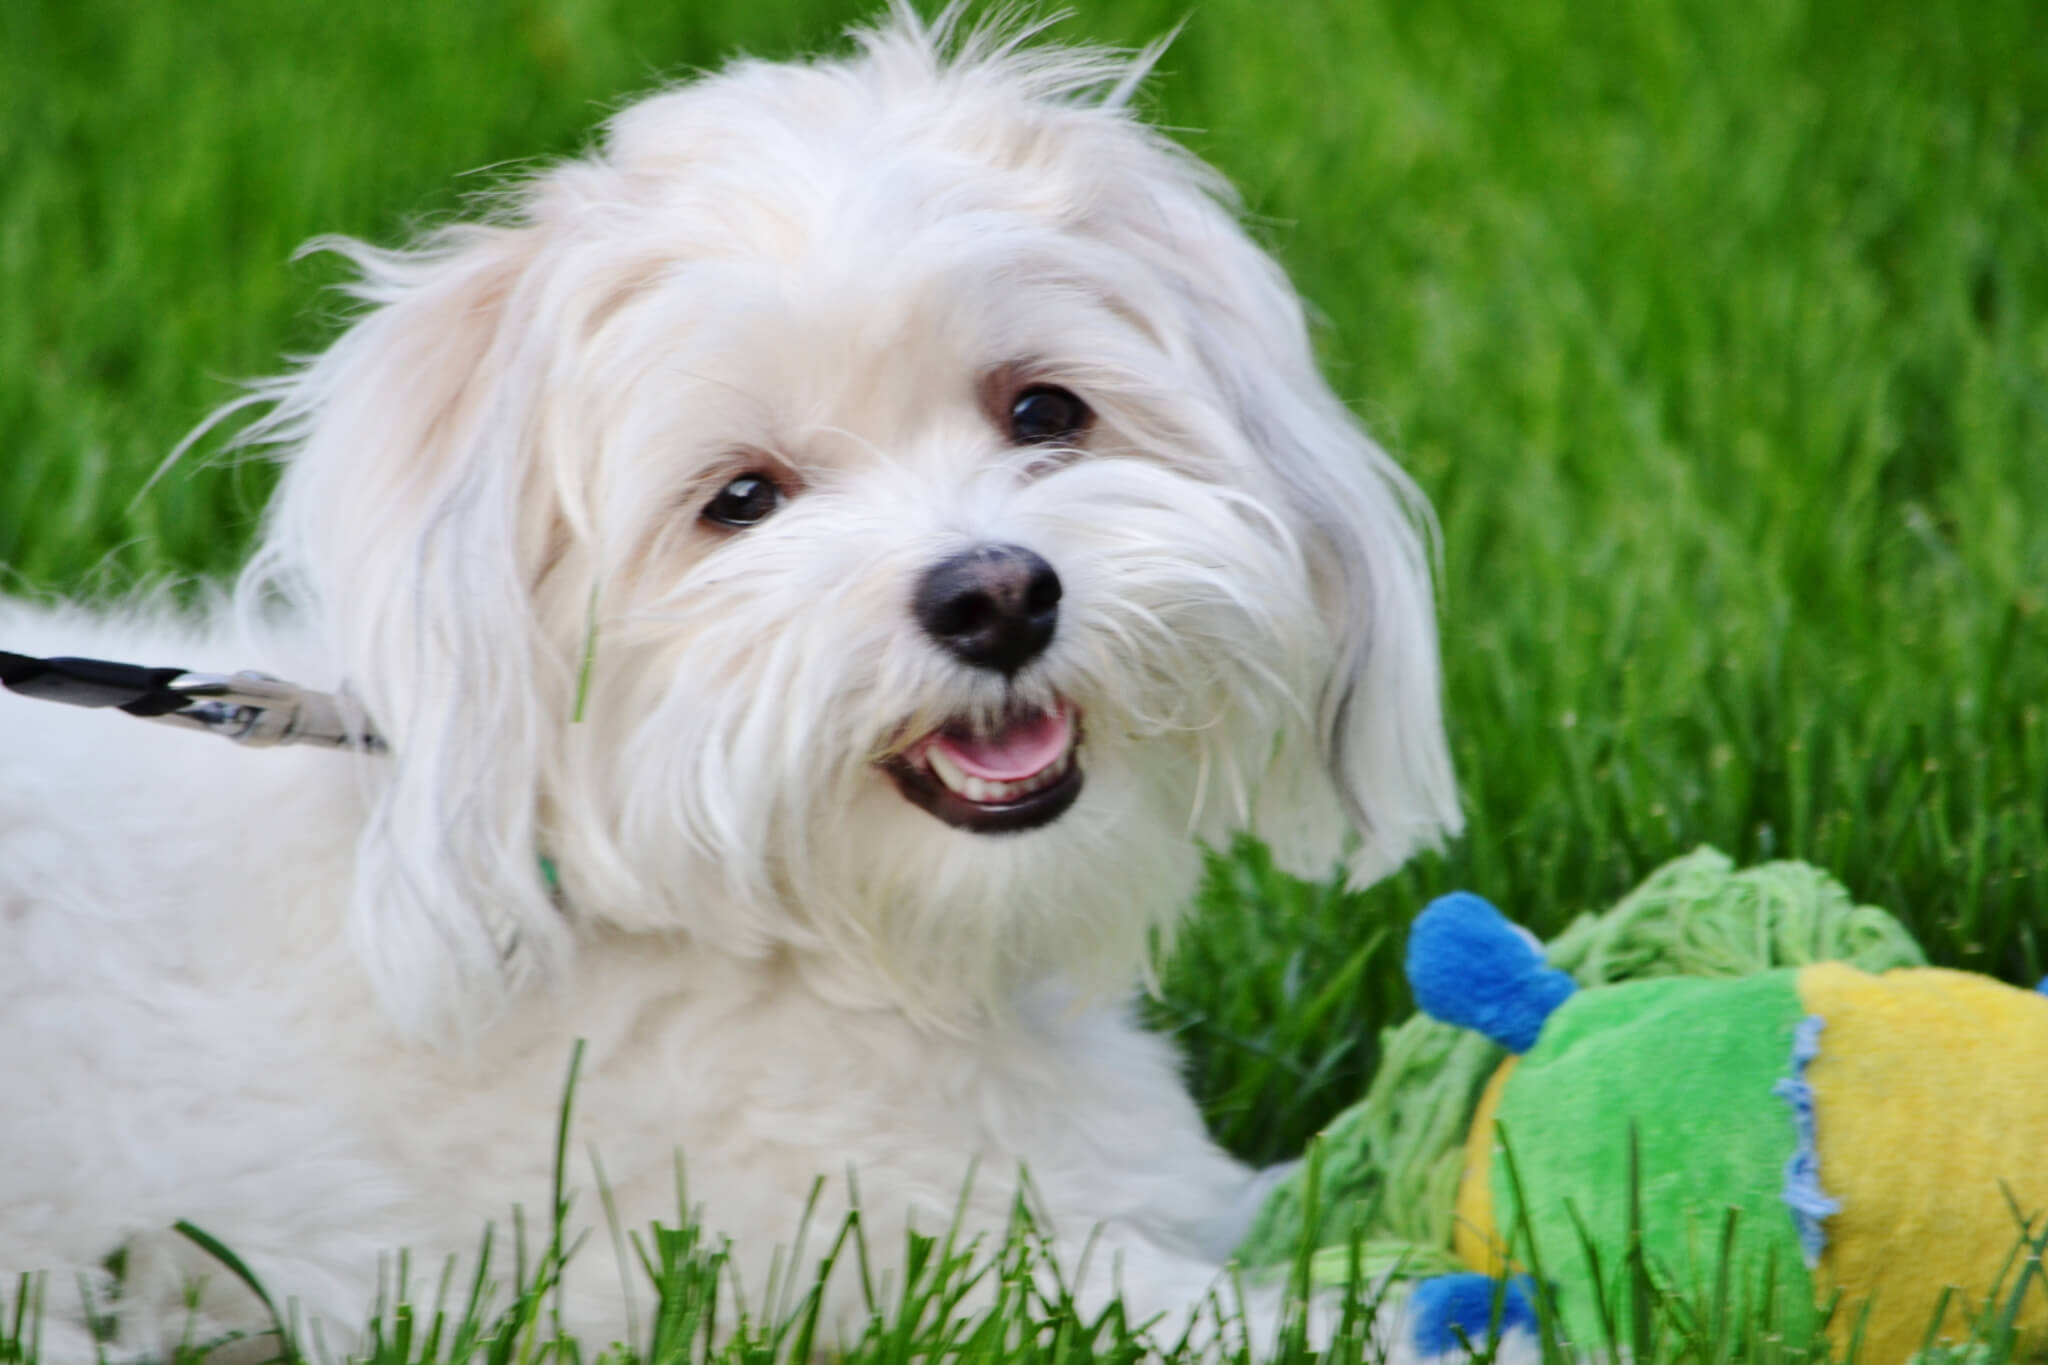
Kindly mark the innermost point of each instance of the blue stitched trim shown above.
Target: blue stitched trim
(1803, 1195)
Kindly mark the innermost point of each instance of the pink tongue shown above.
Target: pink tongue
(1019, 751)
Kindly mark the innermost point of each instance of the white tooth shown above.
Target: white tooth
(975, 789)
(947, 772)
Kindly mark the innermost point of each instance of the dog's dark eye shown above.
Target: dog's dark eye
(1044, 415)
(746, 500)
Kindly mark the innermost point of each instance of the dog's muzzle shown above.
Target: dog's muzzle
(996, 608)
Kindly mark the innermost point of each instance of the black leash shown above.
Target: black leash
(249, 708)
(145, 692)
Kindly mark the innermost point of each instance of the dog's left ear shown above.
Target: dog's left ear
(1378, 741)
(1374, 740)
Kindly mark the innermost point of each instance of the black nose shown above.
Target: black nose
(994, 606)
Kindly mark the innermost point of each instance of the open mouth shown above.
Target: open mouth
(1020, 775)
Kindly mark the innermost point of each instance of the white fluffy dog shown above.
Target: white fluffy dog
(860, 526)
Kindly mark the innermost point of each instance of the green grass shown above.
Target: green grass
(500, 1308)
(1718, 334)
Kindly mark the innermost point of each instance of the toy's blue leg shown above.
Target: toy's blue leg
(1450, 1312)
(1470, 967)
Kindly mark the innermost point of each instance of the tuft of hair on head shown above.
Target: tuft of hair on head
(1005, 40)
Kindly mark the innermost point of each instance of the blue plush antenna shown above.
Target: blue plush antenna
(1469, 966)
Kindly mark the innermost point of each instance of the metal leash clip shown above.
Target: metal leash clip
(259, 710)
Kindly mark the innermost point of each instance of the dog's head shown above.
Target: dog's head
(884, 508)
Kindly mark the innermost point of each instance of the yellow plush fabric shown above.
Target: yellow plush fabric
(1931, 1088)
(1473, 1236)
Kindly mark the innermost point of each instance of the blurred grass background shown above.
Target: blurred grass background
(1716, 332)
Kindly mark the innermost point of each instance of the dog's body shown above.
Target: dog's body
(206, 1046)
(861, 528)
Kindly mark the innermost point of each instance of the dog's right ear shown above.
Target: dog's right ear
(411, 524)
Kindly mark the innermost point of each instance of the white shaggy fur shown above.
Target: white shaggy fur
(320, 1004)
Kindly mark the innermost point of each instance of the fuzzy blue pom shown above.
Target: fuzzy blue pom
(1449, 1312)
(1468, 966)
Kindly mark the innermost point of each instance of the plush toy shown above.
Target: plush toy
(1880, 1136)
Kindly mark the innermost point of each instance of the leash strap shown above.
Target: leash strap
(250, 708)
(139, 691)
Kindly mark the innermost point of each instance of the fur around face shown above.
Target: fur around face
(319, 1004)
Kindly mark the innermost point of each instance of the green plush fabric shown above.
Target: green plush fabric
(1389, 1165)
(1688, 1064)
